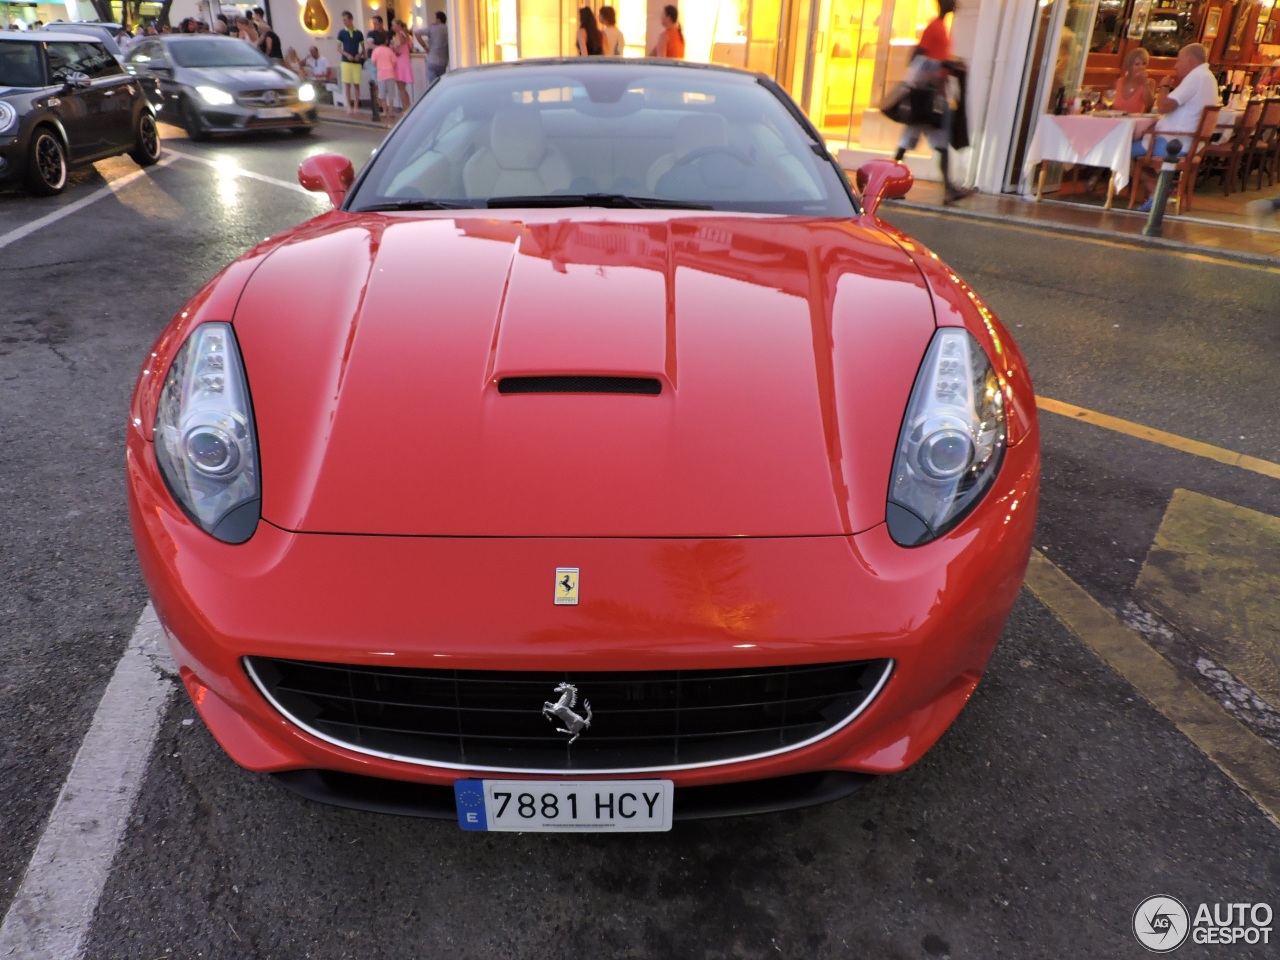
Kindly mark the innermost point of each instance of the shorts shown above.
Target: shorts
(1159, 151)
(387, 88)
(351, 72)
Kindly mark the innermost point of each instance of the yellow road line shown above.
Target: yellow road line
(1245, 758)
(1172, 440)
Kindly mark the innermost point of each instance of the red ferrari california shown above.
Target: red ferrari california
(600, 460)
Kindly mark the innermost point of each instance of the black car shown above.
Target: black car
(211, 84)
(64, 99)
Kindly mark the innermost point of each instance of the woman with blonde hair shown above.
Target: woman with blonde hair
(1135, 91)
(614, 42)
(402, 47)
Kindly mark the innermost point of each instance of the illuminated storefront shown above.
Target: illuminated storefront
(29, 13)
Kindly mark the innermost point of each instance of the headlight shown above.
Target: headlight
(205, 442)
(8, 117)
(306, 93)
(215, 97)
(952, 440)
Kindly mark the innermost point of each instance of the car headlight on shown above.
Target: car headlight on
(8, 117)
(952, 441)
(215, 97)
(205, 441)
(306, 93)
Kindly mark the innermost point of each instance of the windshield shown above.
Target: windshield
(20, 65)
(611, 134)
(216, 53)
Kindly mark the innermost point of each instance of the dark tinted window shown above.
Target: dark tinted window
(77, 56)
(20, 65)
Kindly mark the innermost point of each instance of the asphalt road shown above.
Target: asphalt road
(1059, 801)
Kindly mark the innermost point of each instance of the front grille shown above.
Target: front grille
(648, 720)
(266, 98)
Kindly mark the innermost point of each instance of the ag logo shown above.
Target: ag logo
(1161, 924)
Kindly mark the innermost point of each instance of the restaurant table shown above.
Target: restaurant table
(1089, 139)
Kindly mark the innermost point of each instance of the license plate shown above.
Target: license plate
(576, 806)
(275, 113)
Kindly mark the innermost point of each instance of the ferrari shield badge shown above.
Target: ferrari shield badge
(566, 585)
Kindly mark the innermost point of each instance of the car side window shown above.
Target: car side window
(20, 65)
(74, 56)
(148, 52)
(96, 60)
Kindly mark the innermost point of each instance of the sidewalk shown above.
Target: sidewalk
(1231, 227)
(1223, 227)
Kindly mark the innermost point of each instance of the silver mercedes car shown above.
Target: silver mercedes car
(211, 84)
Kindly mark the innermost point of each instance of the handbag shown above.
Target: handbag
(928, 107)
(897, 104)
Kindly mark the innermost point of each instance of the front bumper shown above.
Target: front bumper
(487, 603)
(238, 118)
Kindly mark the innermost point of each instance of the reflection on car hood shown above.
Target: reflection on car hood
(238, 78)
(784, 350)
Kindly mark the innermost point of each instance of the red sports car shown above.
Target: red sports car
(600, 460)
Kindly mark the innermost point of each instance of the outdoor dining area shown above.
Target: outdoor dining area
(1117, 62)
(1233, 149)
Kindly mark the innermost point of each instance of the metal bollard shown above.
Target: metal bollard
(373, 97)
(1155, 219)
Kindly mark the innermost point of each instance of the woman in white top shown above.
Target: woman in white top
(614, 43)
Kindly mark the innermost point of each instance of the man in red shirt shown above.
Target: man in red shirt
(928, 78)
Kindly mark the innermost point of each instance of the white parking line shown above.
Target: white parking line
(231, 168)
(51, 913)
(115, 186)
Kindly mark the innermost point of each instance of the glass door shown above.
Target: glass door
(1052, 69)
(857, 50)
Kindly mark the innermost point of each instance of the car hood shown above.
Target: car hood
(783, 349)
(238, 78)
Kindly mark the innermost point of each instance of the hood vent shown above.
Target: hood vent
(646, 386)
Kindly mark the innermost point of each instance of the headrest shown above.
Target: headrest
(694, 133)
(517, 139)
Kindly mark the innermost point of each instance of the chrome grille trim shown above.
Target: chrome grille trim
(866, 702)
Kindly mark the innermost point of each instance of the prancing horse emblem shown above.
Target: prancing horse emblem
(562, 710)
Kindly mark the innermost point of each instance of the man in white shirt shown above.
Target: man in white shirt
(316, 67)
(1196, 89)
(1180, 106)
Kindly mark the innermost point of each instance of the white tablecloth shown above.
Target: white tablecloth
(1089, 140)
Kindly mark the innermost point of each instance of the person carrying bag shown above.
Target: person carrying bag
(927, 99)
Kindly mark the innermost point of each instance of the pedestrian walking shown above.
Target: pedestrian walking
(929, 90)
(614, 42)
(590, 40)
(670, 42)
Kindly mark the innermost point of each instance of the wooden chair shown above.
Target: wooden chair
(1188, 165)
(1224, 159)
(1266, 138)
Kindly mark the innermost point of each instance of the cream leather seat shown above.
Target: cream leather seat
(518, 161)
(692, 133)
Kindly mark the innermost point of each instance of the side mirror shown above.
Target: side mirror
(329, 173)
(878, 179)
